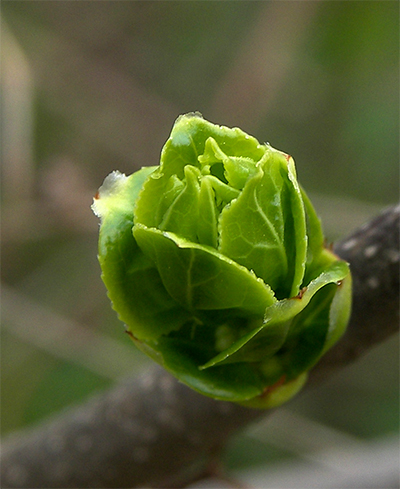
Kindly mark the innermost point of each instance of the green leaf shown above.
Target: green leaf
(207, 226)
(183, 214)
(134, 285)
(314, 230)
(277, 395)
(264, 228)
(200, 278)
(188, 139)
(155, 198)
(236, 382)
(339, 314)
(115, 199)
(235, 170)
(281, 319)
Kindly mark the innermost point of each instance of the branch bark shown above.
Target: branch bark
(153, 431)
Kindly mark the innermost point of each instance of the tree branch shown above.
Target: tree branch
(153, 431)
(373, 252)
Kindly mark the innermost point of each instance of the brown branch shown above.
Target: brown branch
(373, 252)
(153, 431)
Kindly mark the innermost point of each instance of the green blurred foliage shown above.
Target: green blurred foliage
(104, 82)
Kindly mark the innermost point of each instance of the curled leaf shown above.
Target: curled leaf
(215, 261)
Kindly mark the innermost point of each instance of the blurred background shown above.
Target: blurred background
(90, 87)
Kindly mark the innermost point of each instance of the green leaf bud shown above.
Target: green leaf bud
(215, 261)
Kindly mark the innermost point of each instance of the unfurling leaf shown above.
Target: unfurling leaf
(215, 262)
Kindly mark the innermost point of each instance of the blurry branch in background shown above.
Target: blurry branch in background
(154, 431)
(51, 332)
(16, 121)
(251, 86)
(327, 457)
(91, 94)
(62, 208)
(25, 216)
